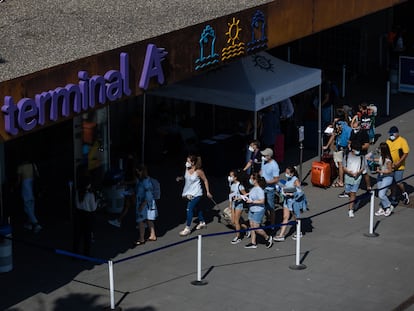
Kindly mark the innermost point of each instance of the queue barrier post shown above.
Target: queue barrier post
(298, 265)
(199, 281)
(371, 233)
(111, 287)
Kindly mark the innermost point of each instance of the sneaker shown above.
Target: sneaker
(250, 245)
(294, 237)
(185, 232)
(388, 212)
(406, 198)
(343, 195)
(351, 213)
(391, 208)
(248, 234)
(269, 242)
(236, 240)
(279, 238)
(37, 228)
(115, 223)
(201, 225)
(380, 212)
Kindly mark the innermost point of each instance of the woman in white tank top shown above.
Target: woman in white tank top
(193, 191)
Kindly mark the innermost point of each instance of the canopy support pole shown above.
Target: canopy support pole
(320, 122)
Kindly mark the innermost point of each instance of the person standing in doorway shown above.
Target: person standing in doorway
(146, 208)
(399, 152)
(26, 173)
(84, 217)
(193, 191)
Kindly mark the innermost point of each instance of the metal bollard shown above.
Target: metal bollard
(298, 265)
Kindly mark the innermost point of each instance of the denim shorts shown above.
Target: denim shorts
(398, 175)
(238, 205)
(351, 188)
(256, 217)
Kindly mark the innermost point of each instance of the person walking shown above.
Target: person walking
(236, 199)
(256, 200)
(294, 201)
(354, 167)
(84, 217)
(361, 136)
(193, 191)
(254, 163)
(384, 180)
(399, 149)
(26, 173)
(146, 208)
(270, 172)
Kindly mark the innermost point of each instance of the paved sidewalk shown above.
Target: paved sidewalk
(345, 270)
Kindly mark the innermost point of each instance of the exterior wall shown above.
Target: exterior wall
(286, 20)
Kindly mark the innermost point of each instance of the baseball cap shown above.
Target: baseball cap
(267, 152)
(393, 130)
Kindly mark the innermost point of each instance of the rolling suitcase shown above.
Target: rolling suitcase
(321, 174)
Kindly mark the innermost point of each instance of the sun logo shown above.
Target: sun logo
(234, 31)
(233, 49)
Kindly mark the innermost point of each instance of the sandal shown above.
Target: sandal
(152, 240)
(337, 185)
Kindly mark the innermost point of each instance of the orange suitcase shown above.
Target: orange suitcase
(321, 174)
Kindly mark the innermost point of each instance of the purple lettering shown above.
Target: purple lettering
(41, 100)
(152, 66)
(114, 85)
(124, 68)
(27, 113)
(96, 82)
(9, 109)
(84, 88)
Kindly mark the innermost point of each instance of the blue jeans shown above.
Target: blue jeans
(383, 184)
(190, 211)
(270, 199)
(29, 208)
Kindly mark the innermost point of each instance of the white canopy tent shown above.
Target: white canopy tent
(250, 83)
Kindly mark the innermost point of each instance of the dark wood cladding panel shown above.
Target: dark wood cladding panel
(330, 13)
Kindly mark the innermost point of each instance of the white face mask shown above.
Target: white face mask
(230, 178)
(392, 137)
(188, 164)
(356, 152)
(288, 175)
(251, 182)
(356, 130)
(251, 149)
(264, 158)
